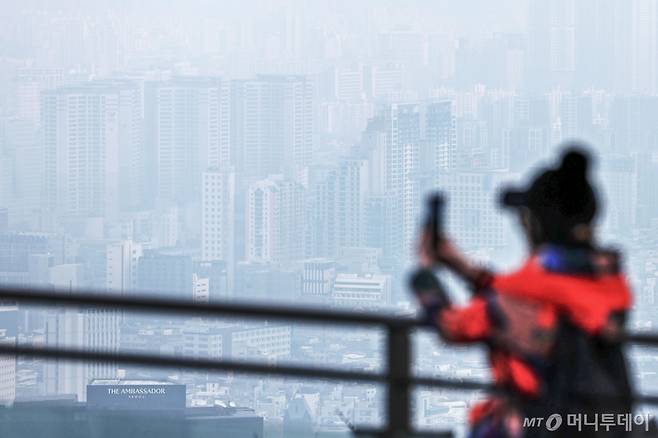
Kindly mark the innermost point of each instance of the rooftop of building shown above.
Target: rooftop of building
(129, 382)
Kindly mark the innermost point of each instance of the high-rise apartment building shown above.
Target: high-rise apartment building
(396, 151)
(75, 328)
(92, 147)
(21, 172)
(440, 136)
(274, 220)
(336, 208)
(93, 329)
(187, 130)
(105, 267)
(621, 185)
(217, 215)
(122, 258)
(471, 216)
(272, 125)
(217, 219)
(380, 215)
(403, 130)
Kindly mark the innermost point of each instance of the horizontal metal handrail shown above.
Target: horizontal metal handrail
(154, 304)
(144, 304)
(248, 367)
(242, 366)
(397, 378)
(152, 360)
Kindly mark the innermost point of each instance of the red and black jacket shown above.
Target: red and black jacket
(521, 315)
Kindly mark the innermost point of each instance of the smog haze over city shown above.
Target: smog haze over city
(280, 152)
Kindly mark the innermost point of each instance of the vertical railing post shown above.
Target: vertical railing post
(398, 406)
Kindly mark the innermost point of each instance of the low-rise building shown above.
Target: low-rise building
(361, 291)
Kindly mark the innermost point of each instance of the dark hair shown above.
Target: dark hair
(559, 198)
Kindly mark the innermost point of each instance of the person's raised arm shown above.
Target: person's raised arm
(462, 324)
(444, 252)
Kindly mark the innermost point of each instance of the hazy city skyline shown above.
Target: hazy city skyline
(281, 151)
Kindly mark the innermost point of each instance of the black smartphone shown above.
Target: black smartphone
(434, 216)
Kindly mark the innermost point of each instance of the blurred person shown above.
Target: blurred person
(553, 326)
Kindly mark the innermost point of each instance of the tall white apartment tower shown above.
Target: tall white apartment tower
(402, 165)
(217, 218)
(91, 139)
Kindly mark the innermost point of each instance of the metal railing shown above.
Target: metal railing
(397, 376)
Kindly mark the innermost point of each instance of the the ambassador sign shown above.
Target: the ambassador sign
(137, 391)
(136, 396)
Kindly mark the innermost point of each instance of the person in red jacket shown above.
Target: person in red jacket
(552, 326)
